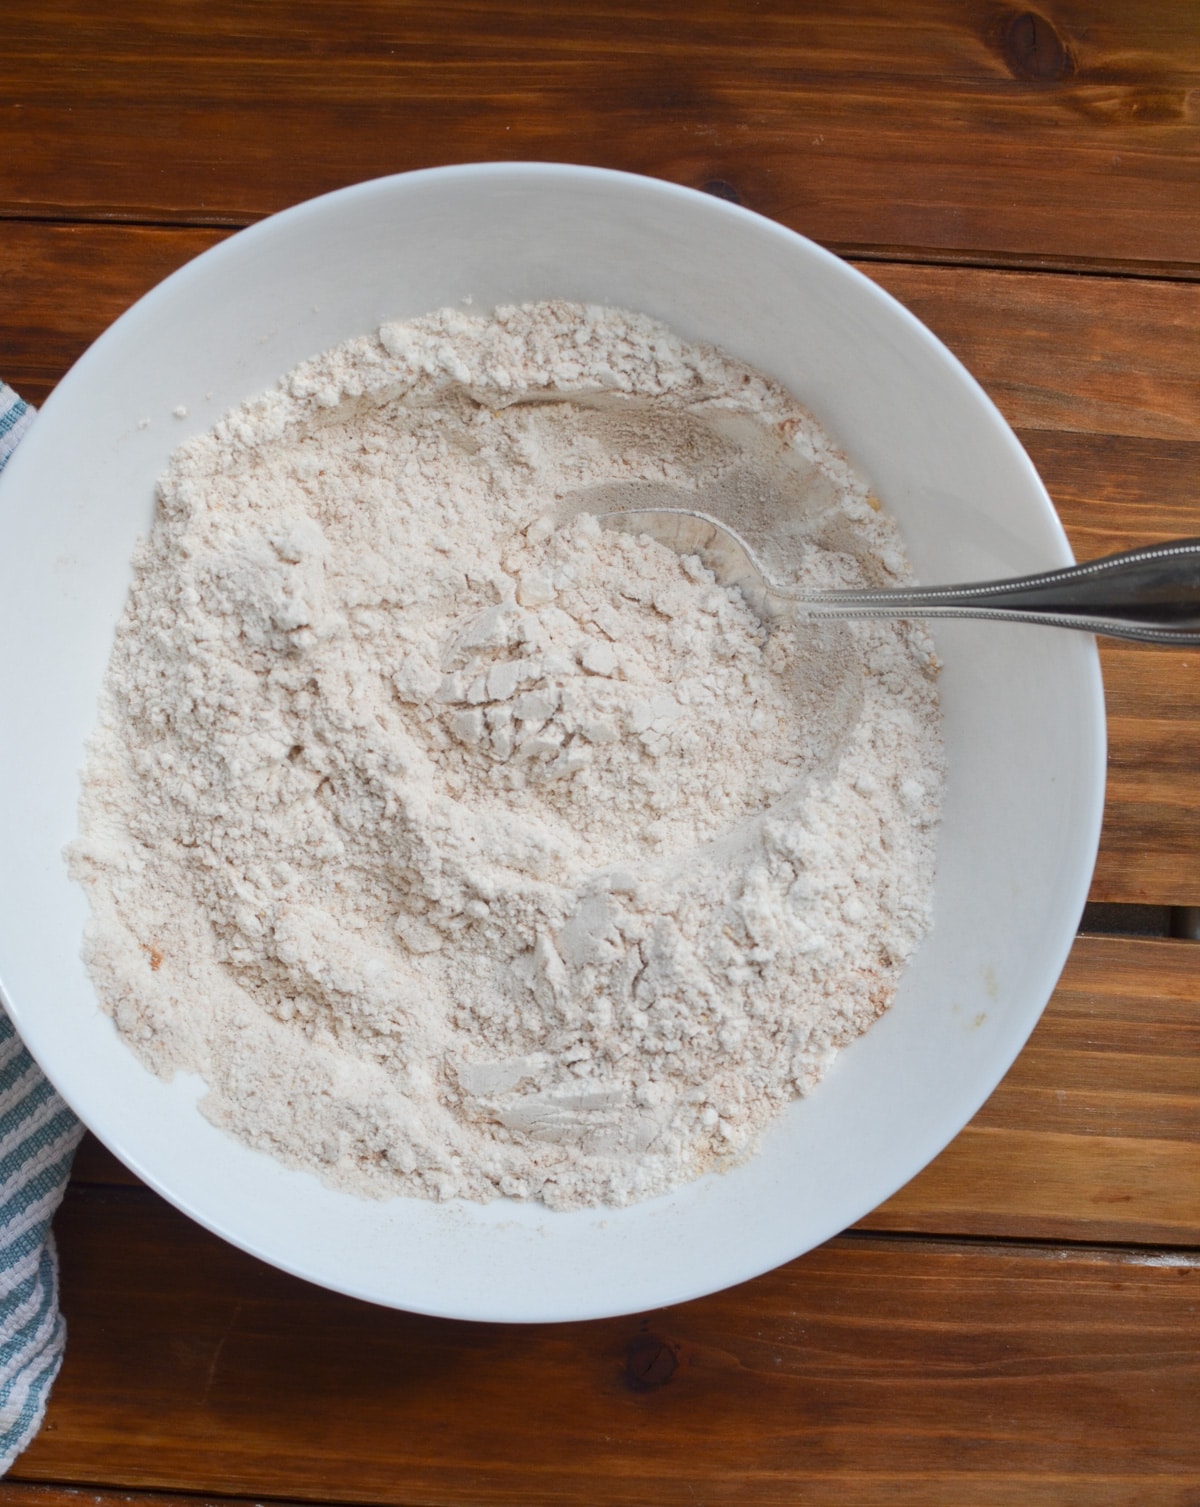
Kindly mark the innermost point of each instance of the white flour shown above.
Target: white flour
(464, 847)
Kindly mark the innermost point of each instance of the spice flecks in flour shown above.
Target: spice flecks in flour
(465, 847)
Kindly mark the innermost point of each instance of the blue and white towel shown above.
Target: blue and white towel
(38, 1137)
(15, 418)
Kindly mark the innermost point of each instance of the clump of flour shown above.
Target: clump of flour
(468, 848)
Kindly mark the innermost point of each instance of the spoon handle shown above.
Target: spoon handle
(1150, 594)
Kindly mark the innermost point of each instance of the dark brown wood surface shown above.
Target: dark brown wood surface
(1021, 1323)
(963, 129)
(874, 1370)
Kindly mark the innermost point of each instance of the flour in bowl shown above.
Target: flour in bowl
(465, 847)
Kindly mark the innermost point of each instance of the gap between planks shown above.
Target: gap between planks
(966, 1363)
(1090, 1137)
(866, 125)
(945, 258)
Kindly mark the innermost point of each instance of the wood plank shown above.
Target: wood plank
(1114, 492)
(1031, 1181)
(1102, 383)
(1094, 1134)
(1150, 847)
(958, 130)
(1100, 376)
(95, 1164)
(18, 1494)
(1122, 355)
(61, 286)
(1088, 354)
(872, 1369)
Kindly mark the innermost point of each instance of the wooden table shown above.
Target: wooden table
(1018, 1325)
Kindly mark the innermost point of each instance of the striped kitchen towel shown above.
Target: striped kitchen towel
(38, 1137)
(15, 418)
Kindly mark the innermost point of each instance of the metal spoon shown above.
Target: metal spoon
(1150, 594)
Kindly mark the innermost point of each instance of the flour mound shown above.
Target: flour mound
(466, 847)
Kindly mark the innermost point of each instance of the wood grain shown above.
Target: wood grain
(1100, 377)
(1101, 381)
(1067, 135)
(872, 1369)
(1094, 1134)
(1115, 492)
(1089, 354)
(961, 149)
(19, 1494)
(61, 286)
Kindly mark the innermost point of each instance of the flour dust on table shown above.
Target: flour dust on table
(467, 848)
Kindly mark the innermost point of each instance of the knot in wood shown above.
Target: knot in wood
(1034, 49)
(650, 1362)
(719, 189)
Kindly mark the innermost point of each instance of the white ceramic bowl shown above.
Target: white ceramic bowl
(1023, 712)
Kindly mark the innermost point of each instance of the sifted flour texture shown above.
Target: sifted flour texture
(465, 847)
